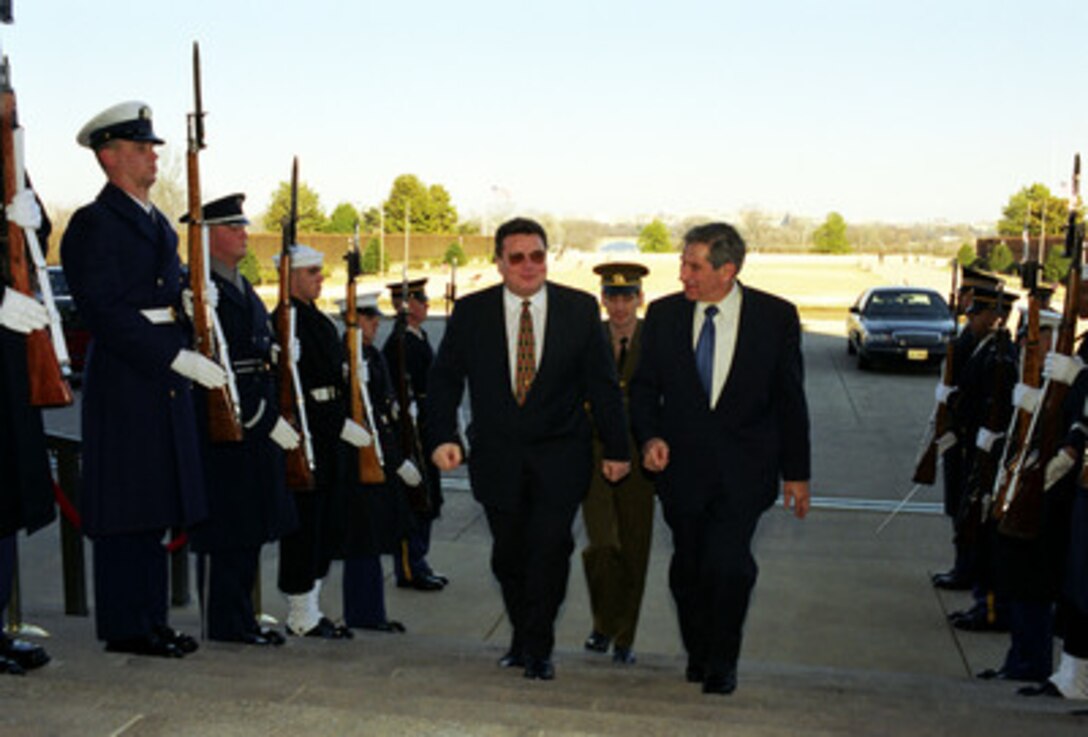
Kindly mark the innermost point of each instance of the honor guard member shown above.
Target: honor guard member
(248, 503)
(619, 517)
(378, 514)
(953, 471)
(26, 494)
(141, 470)
(306, 553)
(986, 379)
(412, 569)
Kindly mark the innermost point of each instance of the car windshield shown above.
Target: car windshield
(905, 303)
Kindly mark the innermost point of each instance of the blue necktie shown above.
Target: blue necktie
(704, 350)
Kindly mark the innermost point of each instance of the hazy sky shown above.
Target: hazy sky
(897, 110)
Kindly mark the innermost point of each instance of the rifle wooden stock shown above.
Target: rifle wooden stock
(370, 467)
(48, 387)
(1022, 508)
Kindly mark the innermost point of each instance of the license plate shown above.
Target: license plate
(917, 354)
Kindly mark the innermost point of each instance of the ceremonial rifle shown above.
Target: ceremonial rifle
(46, 352)
(300, 461)
(362, 412)
(224, 411)
(925, 468)
(1021, 509)
(418, 496)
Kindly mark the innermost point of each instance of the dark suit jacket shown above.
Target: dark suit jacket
(547, 439)
(758, 431)
(141, 460)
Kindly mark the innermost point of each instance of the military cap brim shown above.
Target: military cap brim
(125, 121)
(415, 289)
(618, 277)
(223, 211)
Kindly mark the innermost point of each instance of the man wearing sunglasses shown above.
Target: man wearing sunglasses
(532, 354)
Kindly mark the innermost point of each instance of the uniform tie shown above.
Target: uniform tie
(526, 364)
(704, 350)
(622, 358)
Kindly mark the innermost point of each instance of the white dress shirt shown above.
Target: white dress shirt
(538, 310)
(725, 336)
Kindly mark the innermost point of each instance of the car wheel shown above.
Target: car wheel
(864, 362)
(851, 349)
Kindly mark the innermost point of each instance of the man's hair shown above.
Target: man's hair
(518, 226)
(725, 246)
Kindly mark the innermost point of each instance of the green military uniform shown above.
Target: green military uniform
(618, 517)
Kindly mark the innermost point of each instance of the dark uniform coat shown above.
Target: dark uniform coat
(142, 468)
(247, 498)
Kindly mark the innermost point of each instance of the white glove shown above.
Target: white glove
(355, 434)
(284, 435)
(1062, 368)
(986, 438)
(946, 441)
(23, 210)
(1026, 397)
(409, 474)
(944, 392)
(296, 350)
(211, 297)
(1059, 465)
(196, 367)
(21, 313)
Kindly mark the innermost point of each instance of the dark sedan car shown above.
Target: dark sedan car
(910, 324)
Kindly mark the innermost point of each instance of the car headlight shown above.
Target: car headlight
(880, 338)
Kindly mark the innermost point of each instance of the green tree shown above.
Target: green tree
(1001, 259)
(1056, 265)
(311, 216)
(430, 208)
(1040, 200)
(966, 255)
(372, 257)
(250, 267)
(654, 238)
(830, 237)
(454, 252)
(342, 218)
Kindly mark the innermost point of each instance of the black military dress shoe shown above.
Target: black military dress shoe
(186, 643)
(1046, 688)
(949, 581)
(1000, 674)
(979, 622)
(597, 642)
(421, 583)
(539, 669)
(26, 654)
(389, 625)
(442, 578)
(325, 629)
(720, 683)
(11, 667)
(623, 655)
(512, 659)
(147, 645)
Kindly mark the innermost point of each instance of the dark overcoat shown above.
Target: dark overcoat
(142, 467)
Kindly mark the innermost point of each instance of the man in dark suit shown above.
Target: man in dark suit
(718, 408)
(532, 354)
(141, 458)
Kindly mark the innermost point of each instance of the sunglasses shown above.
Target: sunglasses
(537, 257)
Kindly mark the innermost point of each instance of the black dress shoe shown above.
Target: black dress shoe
(720, 683)
(979, 623)
(11, 667)
(325, 629)
(512, 659)
(182, 641)
(28, 655)
(990, 674)
(598, 642)
(623, 656)
(273, 637)
(390, 625)
(441, 578)
(539, 669)
(148, 645)
(1046, 688)
(421, 583)
(951, 582)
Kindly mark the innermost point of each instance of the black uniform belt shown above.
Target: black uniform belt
(251, 366)
(324, 393)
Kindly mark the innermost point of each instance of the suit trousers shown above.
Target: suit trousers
(711, 577)
(304, 556)
(364, 591)
(530, 556)
(131, 584)
(225, 580)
